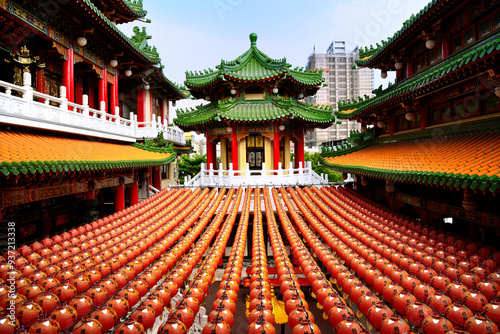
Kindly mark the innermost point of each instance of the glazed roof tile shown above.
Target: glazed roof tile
(35, 153)
(437, 71)
(471, 160)
(254, 110)
(253, 65)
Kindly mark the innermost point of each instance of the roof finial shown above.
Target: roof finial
(253, 39)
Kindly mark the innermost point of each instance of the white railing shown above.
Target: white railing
(302, 176)
(18, 106)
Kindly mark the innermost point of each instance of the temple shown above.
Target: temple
(255, 113)
(99, 238)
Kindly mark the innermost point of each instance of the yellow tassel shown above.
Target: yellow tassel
(280, 316)
(369, 326)
(325, 316)
(318, 305)
(359, 314)
(313, 295)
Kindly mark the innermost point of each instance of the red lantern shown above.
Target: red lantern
(65, 292)
(131, 294)
(394, 325)
(339, 313)
(88, 326)
(184, 314)
(350, 326)
(47, 301)
(489, 289)
(45, 326)
(27, 313)
(306, 326)
(97, 294)
(156, 304)
(417, 312)
(436, 324)
(82, 304)
(106, 316)
(217, 326)
(120, 305)
(298, 315)
(458, 314)
(402, 301)
(65, 316)
(474, 300)
(455, 290)
(144, 315)
(173, 326)
(377, 313)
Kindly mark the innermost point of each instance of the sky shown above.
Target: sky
(193, 35)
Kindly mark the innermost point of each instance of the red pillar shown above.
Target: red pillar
(409, 69)
(157, 177)
(150, 178)
(234, 149)
(210, 154)
(78, 93)
(103, 89)
(399, 75)
(134, 193)
(301, 147)
(141, 106)
(89, 194)
(91, 94)
(424, 118)
(276, 146)
(69, 75)
(114, 95)
(162, 110)
(445, 46)
(119, 198)
(40, 82)
(392, 125)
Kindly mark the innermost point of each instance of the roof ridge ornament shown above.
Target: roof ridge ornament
(253, 39)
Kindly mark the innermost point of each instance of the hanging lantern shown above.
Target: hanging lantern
(27, 313)
(65, 316)
(82, 304)
(377, 313)
(458, 313)
(88, 325)
(43, 325)
(144, 315)
(184, 314)
(474, 300)
(173, 326)
(436, 324)
(394, 325)
(106, 316)
(47, 301)
(120, 305)
(417, 312)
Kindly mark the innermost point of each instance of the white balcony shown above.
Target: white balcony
(18, 107)
(256, 178)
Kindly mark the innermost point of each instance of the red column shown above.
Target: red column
(91, 94)
(295, 153)
(276, 146)
(301, 147)
(214, 155)
(40, 82)
(78, 93)
(234, 145)
(89, 194)
(103, 89)
(119, 198)
(157, 177)
(150, 178)
(445, 46)
(114, 95)
(409, 69)
(141, 106)
(399, 75)
(210, 154)
(162, 111)
(424, 118)
(134, 193)
(392, 125)
(69, 75)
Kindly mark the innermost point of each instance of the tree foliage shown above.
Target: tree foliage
(190, 165)
(318, 168)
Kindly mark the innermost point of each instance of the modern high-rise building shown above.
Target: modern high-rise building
(343, 82)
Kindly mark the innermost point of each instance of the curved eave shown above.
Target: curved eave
(306, 79)
(234, 77)
(411, 30)
(101, 20)
(474, 182)
(202, 81)
(419, 83)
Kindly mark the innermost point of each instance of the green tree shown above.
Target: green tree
(318, 168)
(190, 165)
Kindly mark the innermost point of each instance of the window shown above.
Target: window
(435, 54)
(464, 39)
(164, 172)
(491, 104)
(440, 114)
(496, 20)
(472, 107)
(421, 63)
(485, 27)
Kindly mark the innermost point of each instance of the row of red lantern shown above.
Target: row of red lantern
(300, 319)
(429, 275)
(389, 289)
(458, 291)
(181, 318)
(261, 318)
(221, 319)
(87, 303)
(457, 311)
(456, 245)
(442, 252)
(340, 316)
(34, 309)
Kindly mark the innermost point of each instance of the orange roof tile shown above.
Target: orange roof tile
(36, 152)
(473, 155)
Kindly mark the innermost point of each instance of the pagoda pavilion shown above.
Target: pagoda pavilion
(255, 111)
(434, 143)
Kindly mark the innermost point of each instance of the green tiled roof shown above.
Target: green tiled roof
(369, 56)
(254, 110)
(135, 7)
(152, 57)
(433, 73)
(253, 65)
